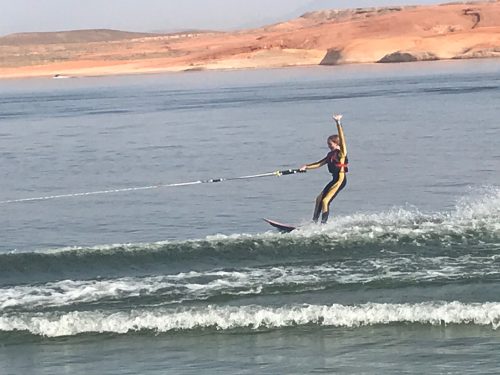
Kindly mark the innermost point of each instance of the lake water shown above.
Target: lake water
(189, 279)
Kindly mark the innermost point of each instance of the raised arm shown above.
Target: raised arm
(342, 144)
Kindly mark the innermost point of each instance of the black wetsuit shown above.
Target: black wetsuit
(337, 166)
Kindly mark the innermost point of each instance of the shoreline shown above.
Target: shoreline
(222, 69)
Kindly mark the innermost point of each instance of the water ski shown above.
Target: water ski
(285, 228)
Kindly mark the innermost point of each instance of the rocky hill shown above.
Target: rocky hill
(362, 35)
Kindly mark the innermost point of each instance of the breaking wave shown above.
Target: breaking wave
(473, 228)
(234, 284)
(252, 317)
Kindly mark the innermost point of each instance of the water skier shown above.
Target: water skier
(337, 166)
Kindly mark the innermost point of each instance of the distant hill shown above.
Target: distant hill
(326, 37)
(183, 31)
(73, 36)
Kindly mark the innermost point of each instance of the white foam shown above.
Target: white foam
(253, 317)
(480, 211)
(193, 285)
(474, 213)
(69, 292)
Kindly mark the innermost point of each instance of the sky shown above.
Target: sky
(163, 15)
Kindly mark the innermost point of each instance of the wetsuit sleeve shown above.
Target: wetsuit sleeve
(343, 146)
(317, 164)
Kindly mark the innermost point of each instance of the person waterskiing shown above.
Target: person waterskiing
(337, 166)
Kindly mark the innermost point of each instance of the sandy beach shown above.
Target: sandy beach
(368, 35)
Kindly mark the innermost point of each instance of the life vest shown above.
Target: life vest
(334, 164)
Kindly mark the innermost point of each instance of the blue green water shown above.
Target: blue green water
(403, 279)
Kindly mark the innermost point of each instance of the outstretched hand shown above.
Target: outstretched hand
(337, 118)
